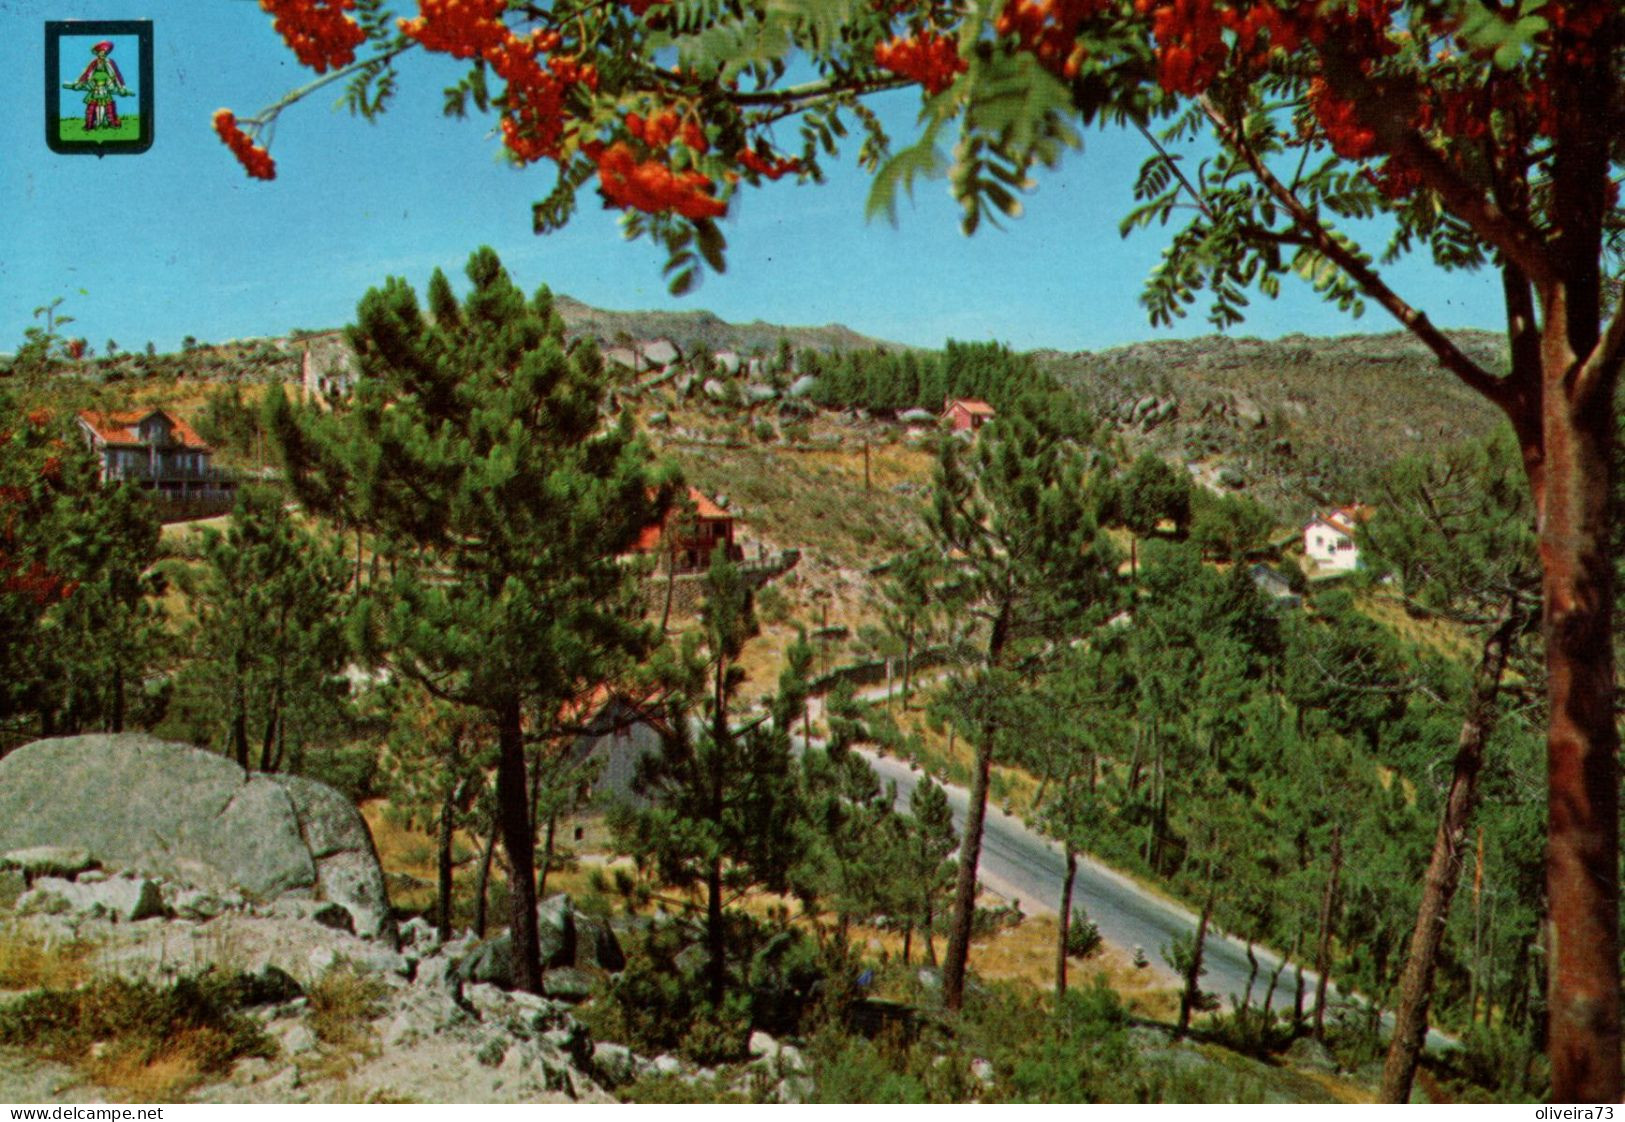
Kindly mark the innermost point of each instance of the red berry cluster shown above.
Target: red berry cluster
(76, 348)
(658, 130)
(773, 167)
(533, 105)
(1049, 29)
(255, 160)
(652, 186)
(1348, 135)
(318, 30)
(460, 28)
(930, 59)
(641, 7)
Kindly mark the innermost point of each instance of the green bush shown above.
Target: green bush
(140, 1020)
(1251, 1031)
(1082, 935)
(773, 605)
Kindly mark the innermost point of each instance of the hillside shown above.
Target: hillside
(1296, 421)
(702, 330)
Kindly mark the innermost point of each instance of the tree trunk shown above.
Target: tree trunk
(908, 666)
(1444, 868)
(239, 727)
(1269, 992)
(118, 696)
(547, 855)
(716, 969)
(1193, 970)
(908, 939)
(448, 818)
(970, 855)
(930, 925)
(1066, 921)
(1323, 954)
(484, 883)
(519, 843)
(1582, 840)
(1252, 976)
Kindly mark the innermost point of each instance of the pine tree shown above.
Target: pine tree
(270, 629)
(477, 455)
(1014, 519)
(724, 810)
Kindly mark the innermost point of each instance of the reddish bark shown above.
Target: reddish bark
(1444, 867)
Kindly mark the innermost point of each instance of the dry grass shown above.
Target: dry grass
(167, 1075)
(343, 1003)
(31, 961)
(1452, 640)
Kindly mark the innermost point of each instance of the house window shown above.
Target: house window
(1344, 543)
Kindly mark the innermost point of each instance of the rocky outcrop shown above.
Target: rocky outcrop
(162, 809)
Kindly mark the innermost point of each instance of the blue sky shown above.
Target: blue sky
(178, 241)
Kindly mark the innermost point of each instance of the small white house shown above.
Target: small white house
(1328, 539)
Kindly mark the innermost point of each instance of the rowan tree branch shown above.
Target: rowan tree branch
(1388, 108)
(1362, 273)
(1602, 365)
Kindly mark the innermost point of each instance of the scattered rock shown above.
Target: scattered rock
(420, 935)
(169, 810)
(121, 898)
(917, 417)
(982, 1071)
(614, 1064)
(567, 984)
(296, 1039)
(48, 861)
(758, 392)
(802, 386)
(715, 389)
(1311, 1055)
(762, 1045)
(793, 1089)
(196, 904)
(12, 885)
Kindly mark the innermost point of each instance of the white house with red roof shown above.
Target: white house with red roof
(1328, 538)
(157, 450)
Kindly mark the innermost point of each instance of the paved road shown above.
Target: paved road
(1019, 863)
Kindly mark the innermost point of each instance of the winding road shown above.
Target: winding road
(1021, 864)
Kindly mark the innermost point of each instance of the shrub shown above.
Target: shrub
(342, 1002)
(773, 605)
(1251, 1031)
(1082, 935)
(157, 1041)
(765, 431)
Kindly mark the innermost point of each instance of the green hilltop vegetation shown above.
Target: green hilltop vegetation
(1276, 768)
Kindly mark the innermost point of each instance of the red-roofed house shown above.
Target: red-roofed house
(966, 414)
(1328, 539)
(159, 451)
(692, 530)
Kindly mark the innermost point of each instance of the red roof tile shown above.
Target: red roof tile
(649, 537)
(970, 405)
(120, 428)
